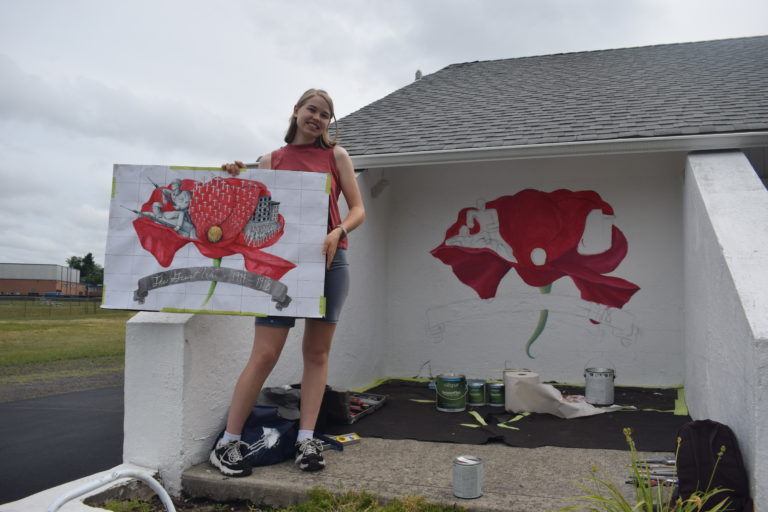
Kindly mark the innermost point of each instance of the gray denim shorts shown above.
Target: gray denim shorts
(336, 289)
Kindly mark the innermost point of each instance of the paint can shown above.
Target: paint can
(496, 393)
(451, 390)
(599, 385)
(467, 477)
(476, 392)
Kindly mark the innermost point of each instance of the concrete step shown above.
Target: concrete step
(515, 479)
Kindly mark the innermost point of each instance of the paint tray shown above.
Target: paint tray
(362, 404)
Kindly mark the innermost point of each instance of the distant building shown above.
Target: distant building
(40, 279)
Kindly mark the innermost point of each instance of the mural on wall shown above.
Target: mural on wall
(228, 222)
(543, 236)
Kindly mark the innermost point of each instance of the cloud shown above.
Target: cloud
(45, 220)
(190, 82)
(19, 188)
(90, 217)
(88, 107)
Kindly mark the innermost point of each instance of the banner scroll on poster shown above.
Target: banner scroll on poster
(197, 240)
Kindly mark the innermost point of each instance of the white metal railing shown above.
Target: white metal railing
(144, 476)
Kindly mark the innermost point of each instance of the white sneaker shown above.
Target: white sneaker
(309, 455)
(229, 459)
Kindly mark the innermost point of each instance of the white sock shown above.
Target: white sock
(227, 438)
(305, 434)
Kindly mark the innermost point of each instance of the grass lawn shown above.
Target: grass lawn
(62, 336)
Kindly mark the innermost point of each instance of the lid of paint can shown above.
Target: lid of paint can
(467, 460)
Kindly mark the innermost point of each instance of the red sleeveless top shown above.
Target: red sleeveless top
(307, 157)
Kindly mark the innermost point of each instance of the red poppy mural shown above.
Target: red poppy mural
(221, 217)
(544, 237)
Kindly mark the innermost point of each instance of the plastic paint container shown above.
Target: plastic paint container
(467, 477)
(599, 385)
(451, 390)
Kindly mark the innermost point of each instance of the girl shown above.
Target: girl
(309, 148)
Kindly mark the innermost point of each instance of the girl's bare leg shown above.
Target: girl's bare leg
(315, 348)
(268, 343)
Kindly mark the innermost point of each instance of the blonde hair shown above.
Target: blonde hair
(323, 140)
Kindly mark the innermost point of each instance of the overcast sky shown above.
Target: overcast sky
(87, 84)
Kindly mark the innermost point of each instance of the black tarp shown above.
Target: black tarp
(409, 413)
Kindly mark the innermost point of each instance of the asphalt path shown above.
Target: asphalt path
(52, 440)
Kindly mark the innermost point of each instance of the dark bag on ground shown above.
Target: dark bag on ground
(270, 438)
(287, 400)
(700, 443)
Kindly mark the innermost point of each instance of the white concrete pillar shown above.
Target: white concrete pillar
(180, 370)
(726, 300)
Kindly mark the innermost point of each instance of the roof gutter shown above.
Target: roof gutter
(686, 143)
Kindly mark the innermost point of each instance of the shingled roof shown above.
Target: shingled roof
(711, 87)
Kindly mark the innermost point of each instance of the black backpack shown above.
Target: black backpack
(700, 443)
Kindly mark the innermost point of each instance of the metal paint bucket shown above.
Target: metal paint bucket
(451, 390)
(467, 477)
(599, 385)
(476, 392)
(496, 393)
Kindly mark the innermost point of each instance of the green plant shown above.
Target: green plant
(128, 506)
(323, 500)
(604, 495)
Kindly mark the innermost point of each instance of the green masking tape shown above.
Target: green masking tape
(681, 408)
(188, 168)
(479, 418)
(322, 306)
(209, 312)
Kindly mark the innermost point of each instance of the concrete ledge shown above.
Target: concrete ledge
(516, 479)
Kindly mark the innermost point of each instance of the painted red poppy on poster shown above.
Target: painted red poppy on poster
(543, 236)
(221, 217)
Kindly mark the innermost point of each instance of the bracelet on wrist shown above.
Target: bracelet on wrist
(344, 232)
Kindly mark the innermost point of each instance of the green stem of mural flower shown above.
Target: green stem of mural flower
(212, 288)
(543, 315)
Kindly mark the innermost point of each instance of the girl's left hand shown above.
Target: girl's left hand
(329, 246)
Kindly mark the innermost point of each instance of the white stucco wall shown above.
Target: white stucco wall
(726, 250)
(360, 345)
(645, 342)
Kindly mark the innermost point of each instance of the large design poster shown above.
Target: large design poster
(198, 240)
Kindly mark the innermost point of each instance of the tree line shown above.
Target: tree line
(90, 272)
